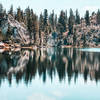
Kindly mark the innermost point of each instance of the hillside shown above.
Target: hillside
(22, 33)
(19, 30)
(85, 35)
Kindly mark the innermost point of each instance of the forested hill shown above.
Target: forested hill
(47, 29)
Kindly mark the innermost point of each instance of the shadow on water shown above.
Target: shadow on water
(66, 62)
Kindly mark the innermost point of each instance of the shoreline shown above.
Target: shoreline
(32, 47)
(18, 47)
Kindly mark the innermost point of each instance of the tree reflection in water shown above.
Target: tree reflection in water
(66, 62)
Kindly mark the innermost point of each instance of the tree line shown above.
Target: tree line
(45, 23)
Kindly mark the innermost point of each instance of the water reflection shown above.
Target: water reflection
(64, 63)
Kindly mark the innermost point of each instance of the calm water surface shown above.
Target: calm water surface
(50, 74)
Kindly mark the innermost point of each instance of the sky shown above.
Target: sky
(56, 5)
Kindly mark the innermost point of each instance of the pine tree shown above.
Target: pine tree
(66, 18)
(1, 11)
(62, 22)
(71, 22)
(55, 22)
(41, 27)
(51, 20)
(22, 16)
(18, 15)
(34, 26)
(98, 17)
(41, 23)
(1, 8)
(28, 19)
(11, 10)
(87, 20)
(45, 17)
(36, 29)
(30, 23)
(9, 32)
(46, 25)
(77, 17)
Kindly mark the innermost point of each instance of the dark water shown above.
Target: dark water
(50, 74)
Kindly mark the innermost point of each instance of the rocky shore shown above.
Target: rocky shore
(86, 37)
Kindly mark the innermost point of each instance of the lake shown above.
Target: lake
(50, 74)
